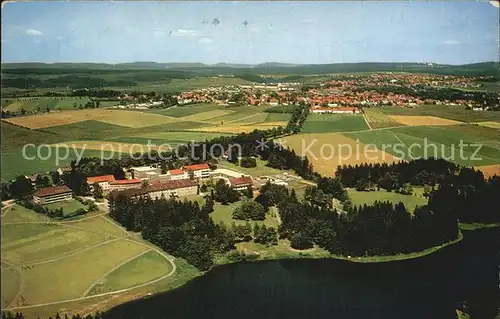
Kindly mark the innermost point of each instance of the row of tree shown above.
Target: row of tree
(379, 229)
(468, 197)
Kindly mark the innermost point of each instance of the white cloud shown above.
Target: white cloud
(452, 42)
(33, 32)
(205, 40)
(496, 3)
(185, 33)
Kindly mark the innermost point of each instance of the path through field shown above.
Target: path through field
(84, 296)
(366, 120)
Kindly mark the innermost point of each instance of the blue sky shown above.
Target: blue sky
(289, 32)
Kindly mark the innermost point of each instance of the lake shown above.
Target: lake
(428, 287)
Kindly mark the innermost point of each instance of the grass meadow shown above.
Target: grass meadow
(368, 198)
(68, 207)
(223, 213)
(173, 126)
(328, 123)
(42, 103)
(457, 113)
(133, 273)
(64, 260)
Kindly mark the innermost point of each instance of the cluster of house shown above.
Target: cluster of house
(349, 82)
(148, 180)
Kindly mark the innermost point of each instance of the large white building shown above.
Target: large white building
(200, 171)
(103, 181)
(177, 174)
(143, 171)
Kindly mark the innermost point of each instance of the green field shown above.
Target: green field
(68, 207)
(44, 284)
(132, 273)
(186, 110)
(42, 103)
(410, 201)
(446, 139)
(101, 224)
(64, 260)
(181, 136)
(328, 123)
(223, 213)
(10, 284)
(377, 119)
(173, 133)
(90, 129)
(457, 113)
(15, 164)
(180, 85)
(18, 213)
(54, 242)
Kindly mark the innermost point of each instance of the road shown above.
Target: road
(150, 247)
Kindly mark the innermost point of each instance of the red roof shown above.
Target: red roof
(240, 181)
(196, 167)
(53, 190)
(126, 181)
(176, 172)
(156, 186)
(100, 179)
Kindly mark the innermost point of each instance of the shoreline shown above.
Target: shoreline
(314, 254)
(186, 273)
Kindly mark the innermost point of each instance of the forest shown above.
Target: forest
(419, 172)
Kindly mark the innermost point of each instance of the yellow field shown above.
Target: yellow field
(377, 119)
(129, 148)
(422, 120)
(489, 170)
(117, 117)
(14, 107)
(327, 151)
(205, 115)
(250, 119)
(490, 124)
(238, 128)
(265, 126)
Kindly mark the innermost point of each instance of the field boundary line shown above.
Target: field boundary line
(169, 258)
(397, 137)
(5, 210)
(113, 269)
(367, 123)
(111, 220)
(243, 118)
(69, 254)
(55, 222)
(22, 280)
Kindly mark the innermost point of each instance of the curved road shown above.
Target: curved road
(151, 248)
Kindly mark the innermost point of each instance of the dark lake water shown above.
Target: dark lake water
(429, 287)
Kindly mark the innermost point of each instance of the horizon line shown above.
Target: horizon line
(248, 64)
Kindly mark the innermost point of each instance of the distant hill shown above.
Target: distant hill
(200, 69)
(276, 65)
